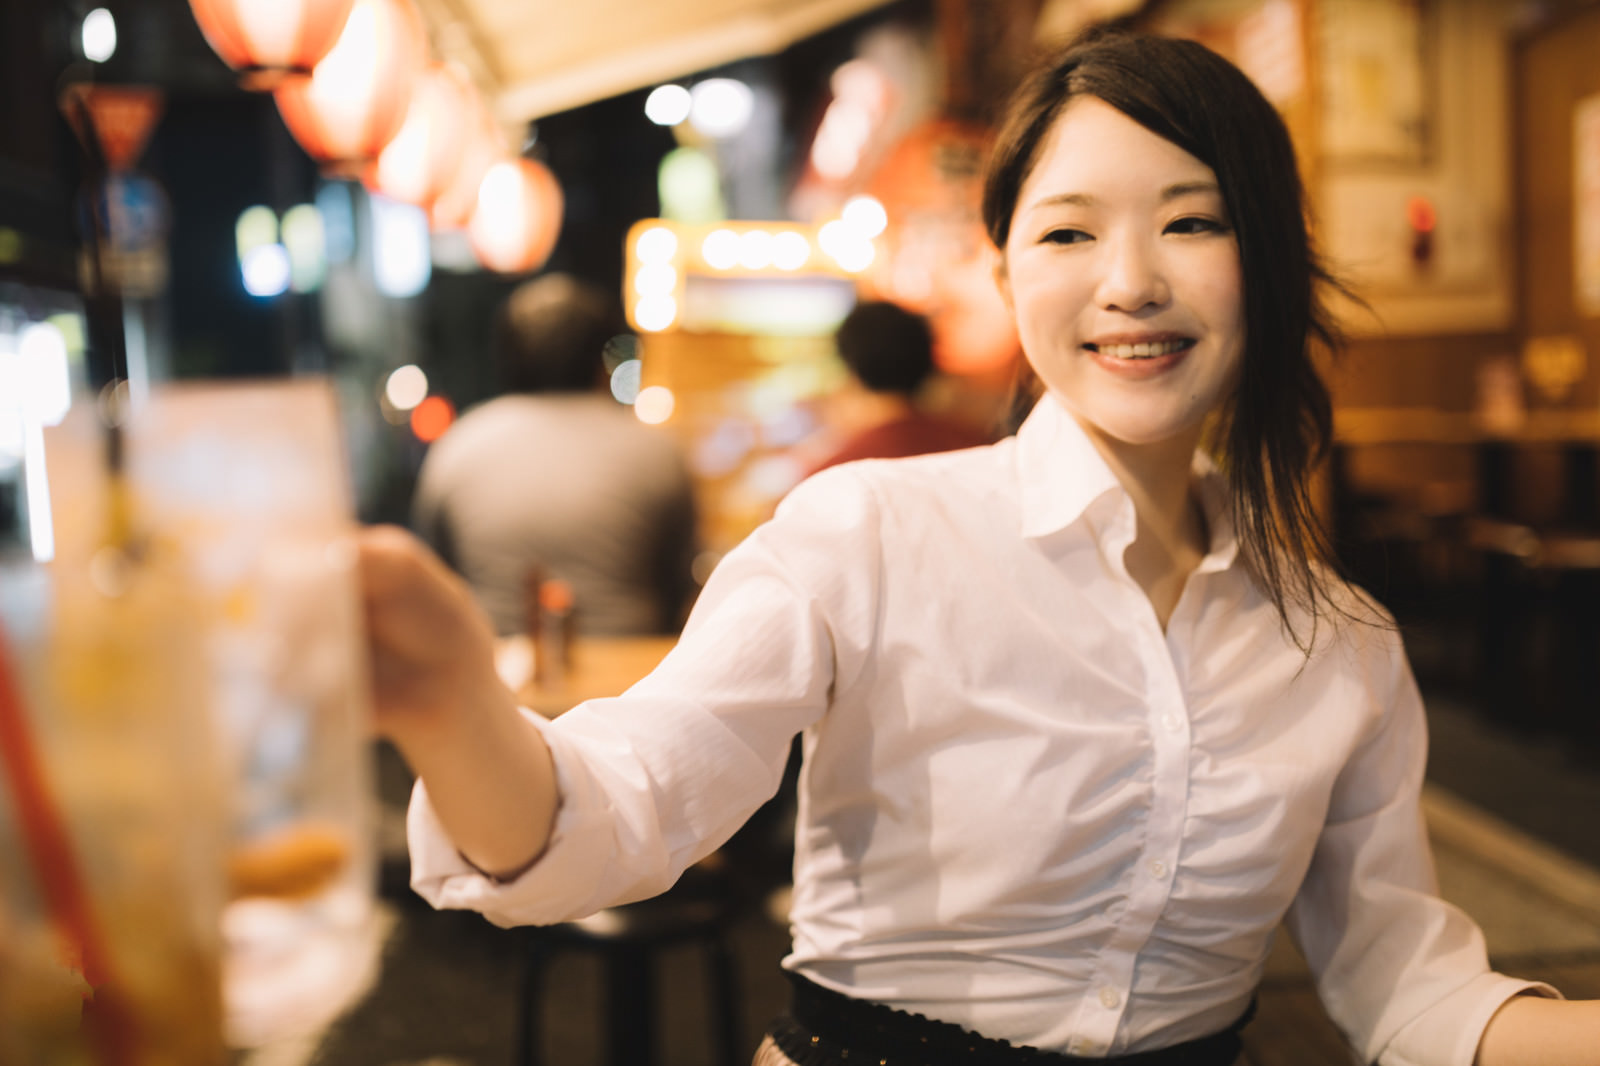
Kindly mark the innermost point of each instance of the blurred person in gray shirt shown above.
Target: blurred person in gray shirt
(556, 479)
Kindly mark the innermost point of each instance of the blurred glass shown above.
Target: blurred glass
(250, 478)
(111, 851)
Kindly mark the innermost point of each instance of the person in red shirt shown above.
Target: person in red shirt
(889, 351)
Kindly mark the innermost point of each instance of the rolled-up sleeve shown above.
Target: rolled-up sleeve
(659, 777)
(1403, 973)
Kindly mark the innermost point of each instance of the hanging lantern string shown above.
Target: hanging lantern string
(49, 849)
(104, 303)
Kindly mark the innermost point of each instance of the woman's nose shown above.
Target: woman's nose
(1131, 277)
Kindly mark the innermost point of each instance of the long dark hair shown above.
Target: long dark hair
(1279, 421)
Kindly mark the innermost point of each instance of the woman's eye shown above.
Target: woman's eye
(1196, 224)
(1065, 236)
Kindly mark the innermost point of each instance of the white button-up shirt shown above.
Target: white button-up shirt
(1025, 808)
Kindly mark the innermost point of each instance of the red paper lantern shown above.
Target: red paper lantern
(419, 163)
(518, 217)
(939, 259)
(355, 99)
(484, 148)
(266, 42)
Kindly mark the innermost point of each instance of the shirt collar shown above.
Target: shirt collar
(1061, 473)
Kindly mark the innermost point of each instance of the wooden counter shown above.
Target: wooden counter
(601, 666)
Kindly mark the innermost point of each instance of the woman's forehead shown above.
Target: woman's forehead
(1093, 150)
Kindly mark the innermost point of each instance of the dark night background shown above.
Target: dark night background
(218, 149)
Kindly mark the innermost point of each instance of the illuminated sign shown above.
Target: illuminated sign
(780, 278)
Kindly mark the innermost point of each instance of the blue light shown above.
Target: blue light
(266, 270)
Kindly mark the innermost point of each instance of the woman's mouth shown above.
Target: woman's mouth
(1143, 349)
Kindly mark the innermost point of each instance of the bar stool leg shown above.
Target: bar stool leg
(526, 1048)
(630, 1008)
(725, 1002)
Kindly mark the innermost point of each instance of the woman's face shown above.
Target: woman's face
(1123, 273)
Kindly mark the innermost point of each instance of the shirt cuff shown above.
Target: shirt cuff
(550, 890)
(1448, 1033)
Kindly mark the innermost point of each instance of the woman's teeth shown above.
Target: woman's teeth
(1142, 351)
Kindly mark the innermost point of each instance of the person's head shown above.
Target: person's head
(887, 347)
(550, 333)
(1248, 291)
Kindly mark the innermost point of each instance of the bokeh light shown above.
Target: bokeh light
(402, 260)
(865, 215)
(655, 313)
(720, 107)
(654, 405)
(849, 248)
(46, 377)
(625, 380)
(407, 386)
(841, 138)
(655, 279)
(668, 105)
(658, 244)
(304, 241)
(790, 250)
(99, 35)
(255, 227)
(690, 186)
(755, 249)
(431, 417)
(266, 270)
(720, 249)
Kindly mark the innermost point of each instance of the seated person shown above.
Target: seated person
(557, 479)
(889, 351)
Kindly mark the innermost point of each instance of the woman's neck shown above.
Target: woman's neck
(1170, 534)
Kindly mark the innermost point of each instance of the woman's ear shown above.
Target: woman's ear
(1002, 281)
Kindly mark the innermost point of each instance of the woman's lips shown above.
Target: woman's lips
(1141, 358)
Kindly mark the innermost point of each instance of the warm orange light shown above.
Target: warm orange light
(936, 258)
(1421, 215)
(353, 103)
(518, 216)
(419, 163)
(431, 417)
(267, 41)
(483, 149)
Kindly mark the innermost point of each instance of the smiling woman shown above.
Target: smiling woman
(1228, 148)
(1084, 717)
(1123, 273)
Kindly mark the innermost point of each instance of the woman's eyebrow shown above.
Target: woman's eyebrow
(1168, 194)
(1189, 188)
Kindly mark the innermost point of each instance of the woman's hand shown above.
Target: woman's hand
(431, 646)
(437, 697)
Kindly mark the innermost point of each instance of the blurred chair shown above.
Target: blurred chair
(1397, 521)
(1539, 617)
(630, 941)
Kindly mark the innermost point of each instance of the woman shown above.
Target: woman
(1083, 718)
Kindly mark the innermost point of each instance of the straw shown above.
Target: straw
(48, 846)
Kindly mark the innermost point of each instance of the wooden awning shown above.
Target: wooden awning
(536, 57)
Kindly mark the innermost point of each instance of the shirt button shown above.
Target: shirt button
(1109, 998)
(1172, 723)
(1158, 868)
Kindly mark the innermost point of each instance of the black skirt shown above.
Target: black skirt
(825, 1028)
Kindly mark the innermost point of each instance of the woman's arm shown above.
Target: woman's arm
(1534, 1031)
(437, 697)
